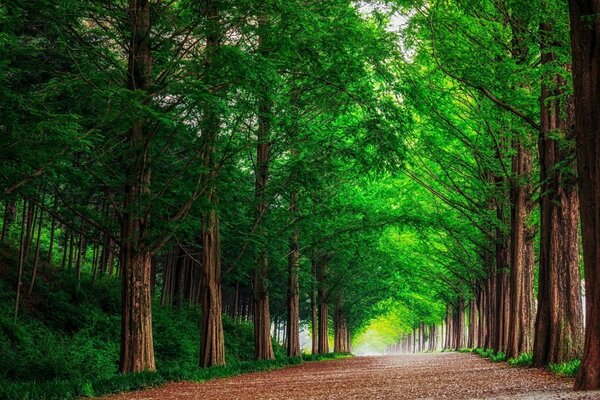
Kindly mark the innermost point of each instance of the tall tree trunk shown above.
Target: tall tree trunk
(323, 308)
(559, 321)
(585, 36)
(179, 275)
(137, 350)
(481, 334)
(473, 326)
(30, 230)
(212, 350)
(24, 219)
(502, 292)
(81, 246)
(313, 308)
(48, 260)
(262, 317)
(37, 254)
(491, 311)
(293, 322)
(521, 246)
(340, 326)
(459, 324)
(10, 213)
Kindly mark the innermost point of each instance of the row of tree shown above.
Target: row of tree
(508, 146)
(213, 153)
(301, 162)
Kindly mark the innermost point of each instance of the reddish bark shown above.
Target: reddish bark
(323, 338)
(559, 322)
(585, 36)
(260, 276)
(137, 352)
(521, 266)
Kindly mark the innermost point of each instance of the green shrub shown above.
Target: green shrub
(322, 357)
(489, 353)
(524, 360)
(570, 368)
(498, 357)
(65, 343)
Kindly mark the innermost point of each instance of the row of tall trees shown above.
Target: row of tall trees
(300, 163)
(506, 148)
(210, 153)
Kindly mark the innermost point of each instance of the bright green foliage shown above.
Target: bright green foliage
(81, 327)
(398, 145)
(524, 360)
(489, 353)
(566, 369)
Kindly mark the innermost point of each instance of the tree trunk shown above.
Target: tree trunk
(179, 275)
(137, 351)
(212, 350)
(30, 230)
(459, 323)
(293, 323)
(48, 260)
(260, 275)
(585, 36)
(559, 322)
(473, 326)
(502, 283)
(521, 271)
(491, 312)
(80, 257)
(502, 310)
(323, 309)
(37, 254)
(24, 219)
(340, 326)
(10, 213)
(481, 334)
(313, 308)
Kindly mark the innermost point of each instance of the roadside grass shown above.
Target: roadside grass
(75, 389)
(65, 343)
(490, 354)
(570, 368)
(524, 360)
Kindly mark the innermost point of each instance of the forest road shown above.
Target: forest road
(420, 376)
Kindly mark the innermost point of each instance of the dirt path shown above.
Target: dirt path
(423, 376)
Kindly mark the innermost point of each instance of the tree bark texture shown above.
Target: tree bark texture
(585, 39)
(521, 256)
(559, 321)
(262, 318)
(137, 351)
(323, 300)
(212, 346)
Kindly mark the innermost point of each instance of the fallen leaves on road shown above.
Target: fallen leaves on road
(453, 376)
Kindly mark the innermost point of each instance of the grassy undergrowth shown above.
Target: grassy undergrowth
(489, 353)
(524, 360)
(65, 342)
(569, 368)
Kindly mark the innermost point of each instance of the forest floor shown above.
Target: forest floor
(419, 376)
